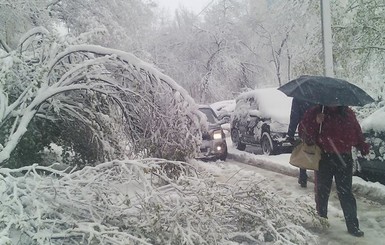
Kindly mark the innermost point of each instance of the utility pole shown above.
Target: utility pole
(327, 41)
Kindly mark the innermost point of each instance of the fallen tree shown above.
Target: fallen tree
(99, 103)
(139, 202)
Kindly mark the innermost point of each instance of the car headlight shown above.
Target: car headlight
(217, 135)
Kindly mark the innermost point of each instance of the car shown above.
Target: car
(214, 144)
(372, 166)
(224, 109)
(261, 118)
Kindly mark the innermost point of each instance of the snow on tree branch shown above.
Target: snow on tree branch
(159, 117)
(141, 202)
(4, 45)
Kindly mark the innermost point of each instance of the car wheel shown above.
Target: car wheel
(236, 140)
(267, 144)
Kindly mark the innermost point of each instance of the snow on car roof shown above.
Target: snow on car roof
(224, 105)
(272, 103)
(375, 121)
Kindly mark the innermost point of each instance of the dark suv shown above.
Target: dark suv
(372, 166)
(214, 144)
(261, 118)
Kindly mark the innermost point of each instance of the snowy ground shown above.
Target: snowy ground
(283, 178)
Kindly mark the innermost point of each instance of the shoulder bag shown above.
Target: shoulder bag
(306, 156)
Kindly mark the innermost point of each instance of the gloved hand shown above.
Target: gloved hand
(320, 118)
(364, 148)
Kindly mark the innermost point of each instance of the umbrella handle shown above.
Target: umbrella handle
(320, 125)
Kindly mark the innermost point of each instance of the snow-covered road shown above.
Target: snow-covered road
(371, 214)
(282, 177)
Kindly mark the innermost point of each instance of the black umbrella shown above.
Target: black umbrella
(326, 91)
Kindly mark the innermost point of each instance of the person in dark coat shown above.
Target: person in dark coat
(298, 109)
(335, 130)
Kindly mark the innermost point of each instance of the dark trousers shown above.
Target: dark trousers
(341, 168)
(316, 191)
(302, 176)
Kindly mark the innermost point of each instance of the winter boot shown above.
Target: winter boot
(353, 228)
(302, 183)
(356, 232)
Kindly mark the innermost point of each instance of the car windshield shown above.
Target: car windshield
(211, 117)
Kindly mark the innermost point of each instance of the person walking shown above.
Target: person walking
(298, 109)
(335, 130)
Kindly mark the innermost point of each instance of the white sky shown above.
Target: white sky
(194, 5)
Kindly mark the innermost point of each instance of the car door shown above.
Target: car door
(253, 122)
(241, 118)
(241, 124)
(253, 125)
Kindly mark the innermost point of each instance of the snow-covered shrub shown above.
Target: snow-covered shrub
(135, 202)
(103, 103)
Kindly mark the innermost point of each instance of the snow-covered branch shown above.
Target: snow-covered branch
(159, 116)
(5, 46)
(139, 202)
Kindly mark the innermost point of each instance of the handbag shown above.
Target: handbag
(306, 156)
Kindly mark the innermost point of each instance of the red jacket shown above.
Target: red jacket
(338, 132)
